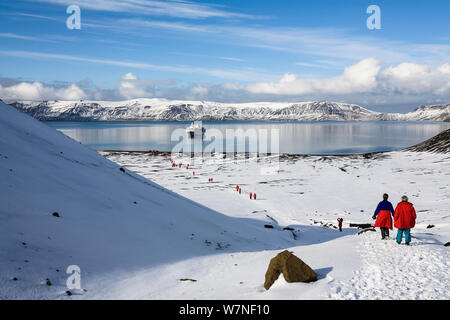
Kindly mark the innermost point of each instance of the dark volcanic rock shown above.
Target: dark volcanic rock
(292, 268)
(365, 230)
(361, 225)
(439, 143)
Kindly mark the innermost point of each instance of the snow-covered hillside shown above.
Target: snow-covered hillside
(434, 112)
(111, 224)
(167, 110)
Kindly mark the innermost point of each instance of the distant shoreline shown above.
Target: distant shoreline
(367, 155)
(439, 143)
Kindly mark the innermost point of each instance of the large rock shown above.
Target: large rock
(292, 268)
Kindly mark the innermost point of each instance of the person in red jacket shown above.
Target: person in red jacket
(405, 220)
(340, 221)
(383, 215)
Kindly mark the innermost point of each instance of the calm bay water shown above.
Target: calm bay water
(294, 137)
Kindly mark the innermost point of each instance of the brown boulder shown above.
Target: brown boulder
(292, 268)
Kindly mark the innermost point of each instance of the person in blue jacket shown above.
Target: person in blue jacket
(383, 214)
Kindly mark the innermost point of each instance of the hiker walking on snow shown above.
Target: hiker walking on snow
(383, 214)
(340, 221)
(405, 219)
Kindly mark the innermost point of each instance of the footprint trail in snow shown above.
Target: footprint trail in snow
(399, 272)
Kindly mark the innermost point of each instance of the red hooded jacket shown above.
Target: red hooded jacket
(383, 220)
(404, 216)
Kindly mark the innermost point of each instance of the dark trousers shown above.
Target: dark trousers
(384, 232)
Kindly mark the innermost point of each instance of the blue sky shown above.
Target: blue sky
(227, 50)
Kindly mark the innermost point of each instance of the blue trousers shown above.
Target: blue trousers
(407, 235)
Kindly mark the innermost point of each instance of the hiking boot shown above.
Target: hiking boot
(407, 243)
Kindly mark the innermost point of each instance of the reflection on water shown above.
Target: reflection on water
(294, 137)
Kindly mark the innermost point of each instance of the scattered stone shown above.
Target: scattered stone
(430, 226)
(288, 228)
(365, 230)
(24, 243)
(134, 202)
(15, 279)
(292, 268)
(268, 226)
(47, 282)
(68, 293)
(122, 169)
(56, 214)
(360, 225)
(447, 244)
(187, 279)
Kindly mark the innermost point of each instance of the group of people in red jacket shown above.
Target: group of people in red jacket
(404, 218)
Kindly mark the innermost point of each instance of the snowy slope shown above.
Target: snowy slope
(167, 110)
(112, 224)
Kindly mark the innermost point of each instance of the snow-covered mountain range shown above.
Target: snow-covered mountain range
(169, 110)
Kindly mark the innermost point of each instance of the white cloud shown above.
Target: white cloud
(335, 45)
(358, 78)
(416, 79)
(132, 87)
(39, 91)
(367, 77)
(181, 9)
(199, 92)
(233, 74)
(366, 83)
(20, 37)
